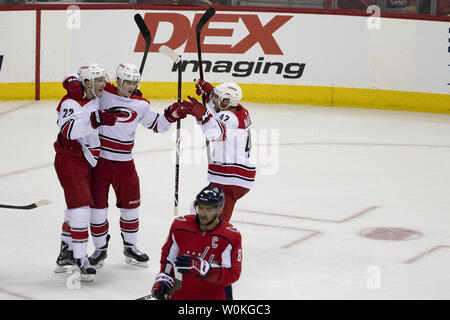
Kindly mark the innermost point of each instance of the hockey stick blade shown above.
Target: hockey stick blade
(39, 203)
(170, 53)
(204, 19)
(147, 297)
(142, 27)
(147, 38)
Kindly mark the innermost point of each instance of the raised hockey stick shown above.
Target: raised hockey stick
(39, 203)
(147, 38)
(198, 30)
(177, 60)
(176, 286)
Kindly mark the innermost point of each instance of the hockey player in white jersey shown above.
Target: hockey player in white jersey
(228, 128)
(116, 166)
(77, 149)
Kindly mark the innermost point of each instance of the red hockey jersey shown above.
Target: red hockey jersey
(221, 247)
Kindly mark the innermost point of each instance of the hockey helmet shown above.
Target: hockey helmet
(91, 72)
(228, 92)
(210, 196)
(127, 71)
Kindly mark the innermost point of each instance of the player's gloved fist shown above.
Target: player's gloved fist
(191, 264)
(103, 118)
(203, 87)
(73, 87)
(163, 282)
(196, 109)
(174, 112)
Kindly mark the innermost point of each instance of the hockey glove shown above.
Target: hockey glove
(103, 118)
(163, 282)
(73, 87)
(189, 264)
(174, 112)
(203, 87)
(196, 109)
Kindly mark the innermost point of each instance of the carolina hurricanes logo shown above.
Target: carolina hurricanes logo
(125, 114)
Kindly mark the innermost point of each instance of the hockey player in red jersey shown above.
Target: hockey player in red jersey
(77, 149)
(205, 249)
(116, 166)
(228, 128)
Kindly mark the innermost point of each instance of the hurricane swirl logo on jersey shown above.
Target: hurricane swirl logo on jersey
(125, 114)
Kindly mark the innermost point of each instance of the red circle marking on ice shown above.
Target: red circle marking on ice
(389, 233)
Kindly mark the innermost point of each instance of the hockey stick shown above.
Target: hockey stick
(147, 37)
(39, 203)
(177, 60)
(198, 29)
(177, 286)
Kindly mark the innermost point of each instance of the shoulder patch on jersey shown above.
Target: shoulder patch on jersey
(234, 229)
(243, 117)
(180, 218)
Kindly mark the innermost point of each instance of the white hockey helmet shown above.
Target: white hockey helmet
(227, 90)
(127, 71)
(91, 72)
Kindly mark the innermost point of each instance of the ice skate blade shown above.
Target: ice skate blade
(98, 265)
(64, 269)
(135, 263)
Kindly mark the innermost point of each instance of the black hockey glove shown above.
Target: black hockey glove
(163, 282)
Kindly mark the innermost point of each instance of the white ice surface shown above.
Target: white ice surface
(300, 239)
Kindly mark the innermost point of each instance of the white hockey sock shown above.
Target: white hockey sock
(65, 232)
(79, 224)
(129, 224)
(99, 226)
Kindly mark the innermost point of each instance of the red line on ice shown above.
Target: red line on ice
(356, 215)
(426, 253)
(313, 233)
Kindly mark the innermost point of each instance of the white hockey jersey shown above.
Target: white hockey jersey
(229, 132)
(74, 123)
(117, 141)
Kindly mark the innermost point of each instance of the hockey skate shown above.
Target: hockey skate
(87, 272)
(65, 261)
(135, 257)
(97, 259)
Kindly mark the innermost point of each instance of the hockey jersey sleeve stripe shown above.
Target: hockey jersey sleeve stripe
(223, 131)
(232, 170)
(66, 129)
(95, 152)
(154, 123)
